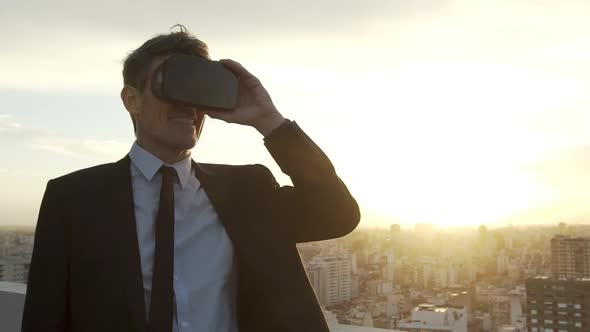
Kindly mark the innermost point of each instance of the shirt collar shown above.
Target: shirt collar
(148, 164)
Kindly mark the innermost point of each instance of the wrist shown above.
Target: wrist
(267, 124)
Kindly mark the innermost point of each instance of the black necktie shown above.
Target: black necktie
(161, 304)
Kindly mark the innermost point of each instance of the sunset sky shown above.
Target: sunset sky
(449, 112)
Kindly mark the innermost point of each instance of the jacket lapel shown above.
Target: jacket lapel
(123, 214)
(220, 182)
(219, 189)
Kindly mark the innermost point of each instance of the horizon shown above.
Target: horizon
(446, 112)
(403, 227)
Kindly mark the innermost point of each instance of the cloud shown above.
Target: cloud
(8, 125)
(88, 149)
(15, 134)
(82, 46)
(220, 19)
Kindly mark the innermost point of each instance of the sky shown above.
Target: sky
(456, 113)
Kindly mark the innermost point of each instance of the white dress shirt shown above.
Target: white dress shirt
(204, 276)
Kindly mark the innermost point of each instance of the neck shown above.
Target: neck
(169, 156)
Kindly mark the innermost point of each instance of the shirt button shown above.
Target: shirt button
(184, 324)
(175, 277)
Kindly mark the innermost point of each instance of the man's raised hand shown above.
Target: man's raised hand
(254, 107)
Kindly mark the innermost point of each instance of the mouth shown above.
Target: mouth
(183, 120)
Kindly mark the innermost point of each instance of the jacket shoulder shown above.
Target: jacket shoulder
(86, 176)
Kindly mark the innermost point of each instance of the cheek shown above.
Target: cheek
(157, 113)
(162, 115)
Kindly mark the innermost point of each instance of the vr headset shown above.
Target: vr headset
(194, 81)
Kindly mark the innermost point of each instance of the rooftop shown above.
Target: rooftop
(12, 297)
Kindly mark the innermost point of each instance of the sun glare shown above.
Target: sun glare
(452, 145)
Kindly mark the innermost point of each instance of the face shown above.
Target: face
(163, 126)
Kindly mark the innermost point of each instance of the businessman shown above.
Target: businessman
(157, 242)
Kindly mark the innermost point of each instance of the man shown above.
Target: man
(106, 259)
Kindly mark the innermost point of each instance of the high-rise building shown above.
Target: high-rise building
(502, 262)
(395, 236)
(500, 306)
(570, 257)
(483, 232)
(422, 276)
(395, 230)
(441, 276)
(390, 267)
(378, 287)
(330, 277)
(558, 305)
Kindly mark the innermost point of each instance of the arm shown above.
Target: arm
(45, 307)
(318, 206)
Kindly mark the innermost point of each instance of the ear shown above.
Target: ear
(131, 99)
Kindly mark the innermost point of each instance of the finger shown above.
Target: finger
(246, 78)
(236, 68)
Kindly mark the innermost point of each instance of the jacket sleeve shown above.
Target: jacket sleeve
(318, 206)
(46, 304)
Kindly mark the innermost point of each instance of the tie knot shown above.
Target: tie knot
(168, 173)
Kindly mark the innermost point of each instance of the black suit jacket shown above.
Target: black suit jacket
(85, 272)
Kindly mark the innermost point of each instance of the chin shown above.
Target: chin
(180, 144)
(186, 145)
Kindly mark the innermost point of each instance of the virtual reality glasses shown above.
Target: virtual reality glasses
(194, 81)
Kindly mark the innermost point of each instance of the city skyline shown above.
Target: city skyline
(446, 112)
(400, 280)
